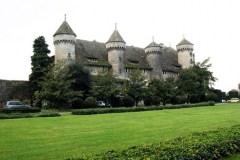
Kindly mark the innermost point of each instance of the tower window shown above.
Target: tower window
(120, 71)
(69, 55)
(120, 59)
(190, 54)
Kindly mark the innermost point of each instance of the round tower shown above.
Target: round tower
(64, 41)
(186, 58)
(115, 48)
(153, 56)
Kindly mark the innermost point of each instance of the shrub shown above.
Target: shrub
(211, 103)
(14, 115)
(201, 145)
(49, 114)
(20, 110)
(147, 101)
(77, 104)
(128, 101)
(178, 100)
(116, 102)
(90, 102)
(136, 109)
(155, 101)
(114, 110)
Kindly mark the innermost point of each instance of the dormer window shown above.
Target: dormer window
(134, 62)
(91, 59)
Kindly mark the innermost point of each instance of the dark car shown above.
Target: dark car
(15, 104)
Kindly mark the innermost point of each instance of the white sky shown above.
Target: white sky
(213, 26)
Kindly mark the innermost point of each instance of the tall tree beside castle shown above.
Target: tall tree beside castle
(196, 81)
(40, 63)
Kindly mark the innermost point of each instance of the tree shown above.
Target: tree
(56, 88)
(233, 94)
(40, 64)
(81, 77)
(196, 81)
(165, 89)
(136, 86)
(105, 87)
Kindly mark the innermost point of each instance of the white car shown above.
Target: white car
(101, 104)
(15, 104)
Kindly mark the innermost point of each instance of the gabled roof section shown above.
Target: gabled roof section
(64, 29)
(184, 42)
(116, 37)
(153, 44)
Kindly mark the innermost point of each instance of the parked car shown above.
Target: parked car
(15, 104)
(233, 100)
(101, 104)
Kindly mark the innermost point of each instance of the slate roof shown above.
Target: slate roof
(92, 49)
(64, 29)
(115, 37)
(184, 42)
(153, 44)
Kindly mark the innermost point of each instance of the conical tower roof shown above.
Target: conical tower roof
(64, 29)
(153, 44)
(116, 37)
(184, 42)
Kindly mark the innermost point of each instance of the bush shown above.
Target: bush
(137, 109)
(201, 145)
(178, 100)
(90, 102)
(114, 110)
(116, 102)
(211, 103)
(147, 101)
(155, 101)
(14, 115)
(128, 101)
(20, 110)
(77, 104)
(49, 114)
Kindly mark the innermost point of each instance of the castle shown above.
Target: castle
(156, 61)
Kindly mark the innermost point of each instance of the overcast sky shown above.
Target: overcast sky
(213, 26)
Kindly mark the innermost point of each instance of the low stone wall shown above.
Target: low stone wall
(12, 89)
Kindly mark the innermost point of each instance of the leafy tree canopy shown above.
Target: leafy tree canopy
(136, 86)
(196, 80)
(56, 88)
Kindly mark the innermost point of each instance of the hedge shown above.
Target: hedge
(211, 145)
(49, 114)
(114, 110)
(20, 110)
(14, 115)
(136, 109)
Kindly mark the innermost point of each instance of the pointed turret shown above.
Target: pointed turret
(64, 42)
(153, 56)
(153, 47)
(185, 53)
(64, 29)
(116, 47)
(184, 42)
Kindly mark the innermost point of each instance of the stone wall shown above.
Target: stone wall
(13, 90)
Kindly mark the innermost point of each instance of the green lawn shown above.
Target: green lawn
(69, 135)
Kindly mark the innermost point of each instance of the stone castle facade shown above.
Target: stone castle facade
(156, 61)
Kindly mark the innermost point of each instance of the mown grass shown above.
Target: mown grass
(66, 136)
